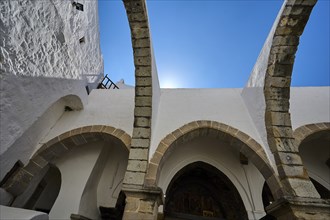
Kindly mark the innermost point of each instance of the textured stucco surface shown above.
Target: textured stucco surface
(41, 38)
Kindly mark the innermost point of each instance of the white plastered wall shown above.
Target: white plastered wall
(309, 105)
(75, 168)
(40, 50)
(181, 106)
(105, 107)
(92, 175)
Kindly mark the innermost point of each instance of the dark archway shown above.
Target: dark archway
(200, 191)
(46, 192)
(267, 196)
(324, 192)
(42, 190)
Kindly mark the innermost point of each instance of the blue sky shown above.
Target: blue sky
(211, 44)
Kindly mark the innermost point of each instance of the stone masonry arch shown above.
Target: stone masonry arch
(317, 137)
(239, 140)
(300, 200)
(303, 132)
(59, 146)
(282, 143)
(141, 43)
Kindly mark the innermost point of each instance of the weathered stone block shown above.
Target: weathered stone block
(281, 58)
(141, 43)
(143, 81)
(143, 122)
(288, 40)
(143, 133)
(292, 171)
(134, 6)
(282, 70)
(141, 143)
(284, 144)
(78, 140)
(156, 158)
(138, 154)
(169, 139)
(138, 16)
(152, 171)
(136, 178)
(143, 91)
(281, 131)
(278, 118)
(277, 93)
(140, 33)
(288, 158)
(32, 168)
(144, 71)
(143, 101)
(143, 61)
(147, 206)
(142, 111)
(281, 105)
(301, 187)
(41, 162)
(278, 82)
(162, 147)
(132, 204)
(137, 165)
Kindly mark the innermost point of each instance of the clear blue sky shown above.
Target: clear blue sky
(211, 44)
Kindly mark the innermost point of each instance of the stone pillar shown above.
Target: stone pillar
(142, 203)
(288, 208)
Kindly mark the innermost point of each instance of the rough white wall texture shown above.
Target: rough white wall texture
(42, 61)
(41, 38)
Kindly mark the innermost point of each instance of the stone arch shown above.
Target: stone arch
(208, 188)
(239, 140)
(312, 144)
(303, 132)
(59, 146)
(143, 61)
(22, 148)
(290, 26)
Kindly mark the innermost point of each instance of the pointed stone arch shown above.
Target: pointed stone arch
(283, 47)
(303, 132)
(237, 139)
(143, 61)
(313, 145)
(60, 146)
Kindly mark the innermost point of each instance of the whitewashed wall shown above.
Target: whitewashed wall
(42, 61)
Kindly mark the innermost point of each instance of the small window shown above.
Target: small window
(79, 7)
(82, 40)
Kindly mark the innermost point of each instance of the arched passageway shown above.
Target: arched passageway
(42, 191)
(314, 150)
(200, 191)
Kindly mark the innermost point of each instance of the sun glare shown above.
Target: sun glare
(168, 84)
